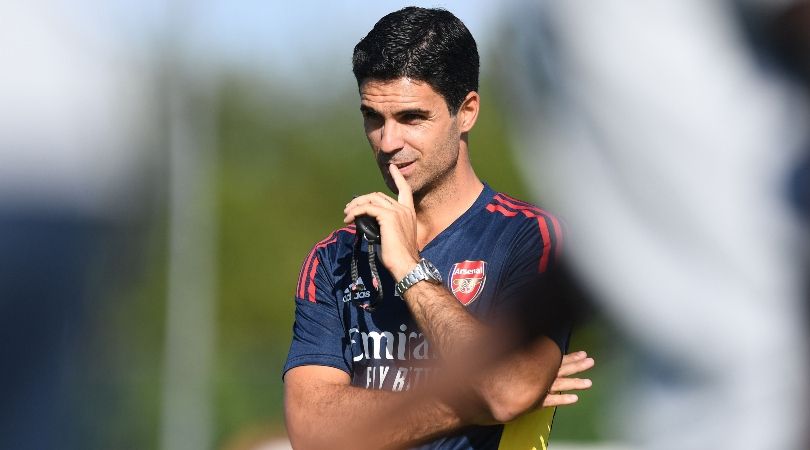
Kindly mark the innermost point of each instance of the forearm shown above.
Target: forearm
(519, 381)
(332, 415)
(510, 381)
(450, 328)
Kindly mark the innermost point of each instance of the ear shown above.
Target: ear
(468, 111)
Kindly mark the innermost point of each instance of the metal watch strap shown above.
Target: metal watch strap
(421, 272)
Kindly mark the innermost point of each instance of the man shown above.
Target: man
(417, 73)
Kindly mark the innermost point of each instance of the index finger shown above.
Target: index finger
(404, 194)
(559, 400)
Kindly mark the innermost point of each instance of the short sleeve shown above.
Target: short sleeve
(529, 289)
(318, 337)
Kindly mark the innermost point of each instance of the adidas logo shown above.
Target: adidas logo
(361, 294)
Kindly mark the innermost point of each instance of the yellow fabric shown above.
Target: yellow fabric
(528, 432)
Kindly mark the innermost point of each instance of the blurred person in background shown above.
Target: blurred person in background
(73, 135)
(667, 134)
(456, 257)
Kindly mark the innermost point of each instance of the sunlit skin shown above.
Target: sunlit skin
(408, 124)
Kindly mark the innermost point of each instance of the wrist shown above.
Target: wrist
(401, 269)
(424, 270)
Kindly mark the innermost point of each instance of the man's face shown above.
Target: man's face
(408, 124)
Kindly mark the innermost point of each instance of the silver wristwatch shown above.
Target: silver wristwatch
(424, 271)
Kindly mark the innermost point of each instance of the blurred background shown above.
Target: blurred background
(179, 159)
(165, 166)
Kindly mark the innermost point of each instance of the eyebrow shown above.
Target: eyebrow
(368, 109)
(404, 112)
(417, 111)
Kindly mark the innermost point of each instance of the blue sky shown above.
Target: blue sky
(283, 32)
(295, 40)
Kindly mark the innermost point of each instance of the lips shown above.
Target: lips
(403, 167)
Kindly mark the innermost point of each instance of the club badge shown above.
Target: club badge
(467, 280)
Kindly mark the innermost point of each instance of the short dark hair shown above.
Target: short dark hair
(429, 45)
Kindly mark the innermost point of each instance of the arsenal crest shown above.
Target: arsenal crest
(467, 280)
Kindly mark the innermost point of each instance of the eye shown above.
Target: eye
(371, 118)
(412, 118)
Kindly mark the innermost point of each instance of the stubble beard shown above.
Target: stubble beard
(440, 180)
(439, 184)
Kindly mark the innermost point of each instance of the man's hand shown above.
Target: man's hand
(572, 364)
(397, 219)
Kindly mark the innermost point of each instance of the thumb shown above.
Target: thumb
(405, 195)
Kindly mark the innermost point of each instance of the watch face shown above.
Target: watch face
(432, 271)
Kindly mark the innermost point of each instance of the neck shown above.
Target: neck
(446, 202)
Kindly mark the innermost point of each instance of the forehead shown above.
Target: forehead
(400, 93)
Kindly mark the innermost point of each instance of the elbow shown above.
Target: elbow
(302, 431)
(520, 384)
(303, 435)
(507, 404)
(296, 431)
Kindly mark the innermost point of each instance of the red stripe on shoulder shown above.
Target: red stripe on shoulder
(299, 291)
(498, 208)
(558, 233)
(546, 236)
(541, 216)
(517, 204)
(308, 261)
(521, 205)
(311, 290)
(307, 275)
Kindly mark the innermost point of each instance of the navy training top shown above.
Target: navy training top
(487, 257)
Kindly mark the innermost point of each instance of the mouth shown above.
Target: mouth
(404, 167)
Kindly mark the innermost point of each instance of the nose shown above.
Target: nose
(391, 139)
